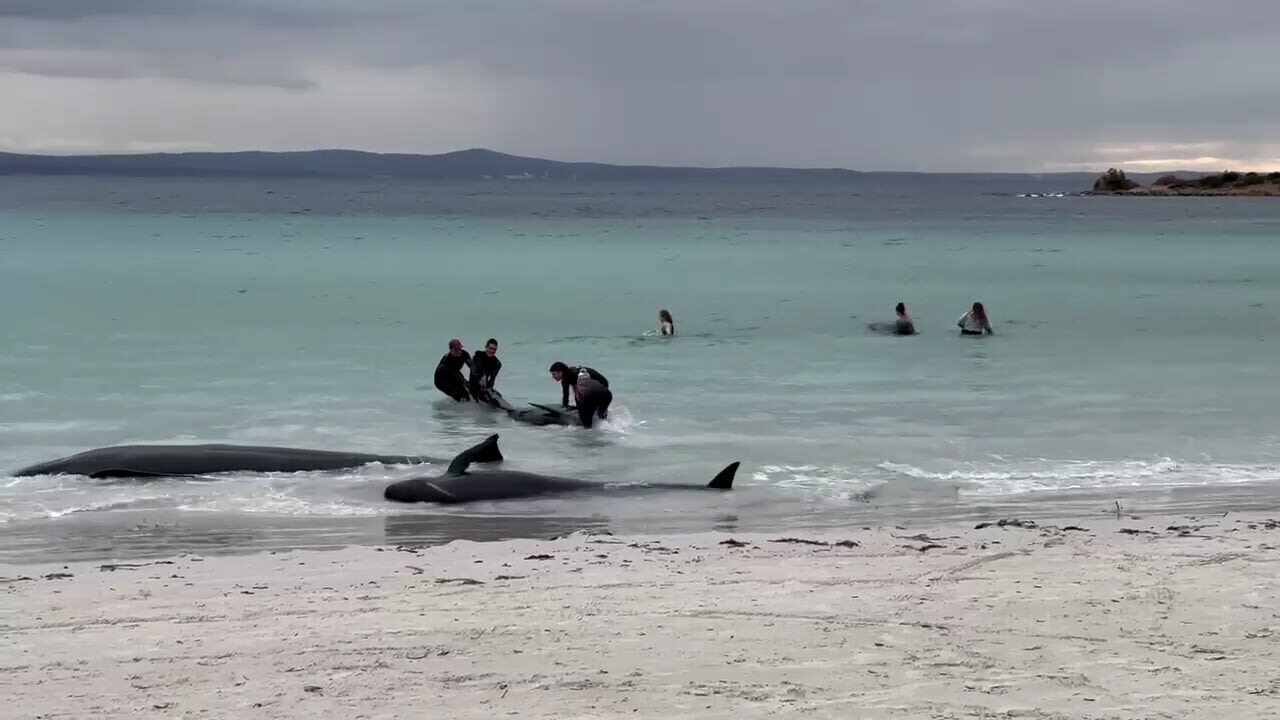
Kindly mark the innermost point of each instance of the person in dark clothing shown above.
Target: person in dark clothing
(902, 324)
(567, 375)
(448, 376)
(485, 367)
(593, 399)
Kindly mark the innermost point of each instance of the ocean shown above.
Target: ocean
(1132, 366)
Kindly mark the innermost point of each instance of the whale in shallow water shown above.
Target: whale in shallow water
(139, 461)
(534, 413)
(539, 414)
(458, 485)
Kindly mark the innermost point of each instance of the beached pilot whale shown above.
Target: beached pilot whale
(534, 413)
(137, 461)
(457, 485)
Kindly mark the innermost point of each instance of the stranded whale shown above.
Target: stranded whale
(533, 413)
(130, 461)
(457, 485)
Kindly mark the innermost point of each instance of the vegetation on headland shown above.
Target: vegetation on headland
(1229, 182)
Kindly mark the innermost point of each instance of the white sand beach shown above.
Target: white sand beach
(1126, 618)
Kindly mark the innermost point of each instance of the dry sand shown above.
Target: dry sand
(1001, 622)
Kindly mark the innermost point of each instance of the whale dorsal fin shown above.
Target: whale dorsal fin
(724, 481)
(475, 453)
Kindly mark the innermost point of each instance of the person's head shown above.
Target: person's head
(491, 347)
(455, 347)
(558, 369)
(900, 308)
(664, 315)
(978, 311)
(580, 386)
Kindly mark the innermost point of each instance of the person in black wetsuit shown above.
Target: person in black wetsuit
(567, 375)
(448, 376)
(593, 398)
(485, 367)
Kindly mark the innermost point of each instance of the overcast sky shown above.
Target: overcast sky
(1022, 85)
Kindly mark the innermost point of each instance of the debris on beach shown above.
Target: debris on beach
(1006, 522)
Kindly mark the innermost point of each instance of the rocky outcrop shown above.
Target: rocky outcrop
(1114, 182)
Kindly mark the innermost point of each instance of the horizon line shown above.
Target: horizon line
(482, 150)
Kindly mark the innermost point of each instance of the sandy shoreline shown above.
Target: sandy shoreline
(1150, 617)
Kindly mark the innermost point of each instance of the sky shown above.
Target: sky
(928, 85)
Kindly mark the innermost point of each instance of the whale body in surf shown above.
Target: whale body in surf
(534, 413)
(140, 461)
(459, 485)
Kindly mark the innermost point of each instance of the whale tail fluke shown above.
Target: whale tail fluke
(724, 481)
(487, 448)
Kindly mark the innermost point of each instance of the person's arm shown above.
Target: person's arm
(598, 377)
(497, 367)
(564, 390)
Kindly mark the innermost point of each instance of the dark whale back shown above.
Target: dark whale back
(534, 413)
(480, 486)
(187, 460)
(458, 485)
(539, 414)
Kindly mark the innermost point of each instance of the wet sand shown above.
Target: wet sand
(1109, 617)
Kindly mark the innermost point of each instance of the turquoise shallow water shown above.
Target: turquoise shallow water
(1135, 349)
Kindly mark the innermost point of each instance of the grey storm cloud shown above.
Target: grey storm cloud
(869, 84)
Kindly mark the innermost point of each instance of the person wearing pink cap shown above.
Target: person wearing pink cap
(448, 377)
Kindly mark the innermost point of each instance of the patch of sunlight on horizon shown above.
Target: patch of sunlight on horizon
(1206, 163)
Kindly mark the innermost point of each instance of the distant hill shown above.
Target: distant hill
(474, 164)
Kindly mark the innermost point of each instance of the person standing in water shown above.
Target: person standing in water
(666, 324)
(448, 377)
(902, 325)
(566, 375)
(593, 399)
(485, 367)
(975, 322)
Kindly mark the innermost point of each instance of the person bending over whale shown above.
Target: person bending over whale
(566, 375)
(485, 367)
(448, 377)
(593, 398)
